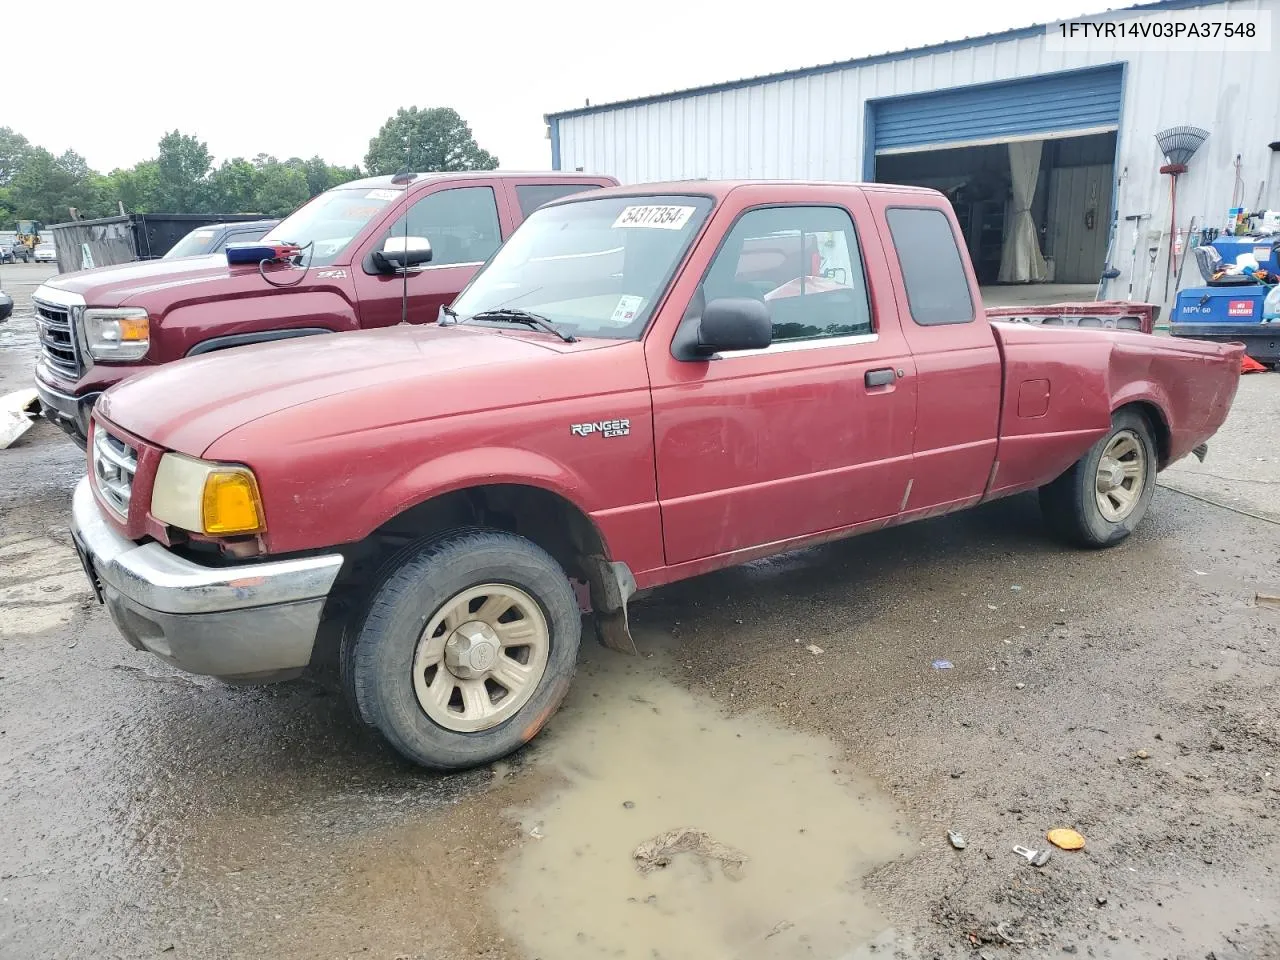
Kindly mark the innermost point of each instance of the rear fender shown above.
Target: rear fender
(1153, 400)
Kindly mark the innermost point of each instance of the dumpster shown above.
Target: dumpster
(84, 244)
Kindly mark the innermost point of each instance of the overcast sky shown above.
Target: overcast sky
(319, 77)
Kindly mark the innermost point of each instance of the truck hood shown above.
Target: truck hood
(115, 286)
(187, 405)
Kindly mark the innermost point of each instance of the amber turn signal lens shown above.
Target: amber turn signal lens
(134, 329)
(231, 503)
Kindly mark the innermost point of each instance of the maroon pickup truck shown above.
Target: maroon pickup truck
(643, 385)
(98, 327)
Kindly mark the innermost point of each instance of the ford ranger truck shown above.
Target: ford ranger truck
(98, 327)
(642, 385)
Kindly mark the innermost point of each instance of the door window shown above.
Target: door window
(801, 261)
(461, 223)
(533, 195)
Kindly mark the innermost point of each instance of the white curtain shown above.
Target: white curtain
(1020, 260)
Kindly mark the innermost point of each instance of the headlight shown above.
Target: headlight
(121, 333)
(219, 499)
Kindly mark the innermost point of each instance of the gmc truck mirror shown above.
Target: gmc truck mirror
(400, 253)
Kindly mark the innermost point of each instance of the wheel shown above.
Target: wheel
(1105, 494)
(468, 647)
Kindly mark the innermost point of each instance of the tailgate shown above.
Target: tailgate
(1099, 315)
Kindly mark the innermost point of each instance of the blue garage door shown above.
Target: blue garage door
(1073, 103)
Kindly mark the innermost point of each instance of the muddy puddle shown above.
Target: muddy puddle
(636, 757)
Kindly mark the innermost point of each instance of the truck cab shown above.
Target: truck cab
(98, 327)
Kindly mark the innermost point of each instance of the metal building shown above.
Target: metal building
(986, 120)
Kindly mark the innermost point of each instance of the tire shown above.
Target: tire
(428, 668)
(1073, 504)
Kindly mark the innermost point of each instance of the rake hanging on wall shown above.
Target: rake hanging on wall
(1178, 144)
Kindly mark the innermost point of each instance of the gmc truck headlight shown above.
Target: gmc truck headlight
(218, 499)
(120, 333)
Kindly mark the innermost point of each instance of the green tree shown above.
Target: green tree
(233, 187)
(279, 188)
(14, 148)
(46, 187)
(138, 188)
(182, 169)
(436, 138)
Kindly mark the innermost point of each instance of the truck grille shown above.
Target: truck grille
(58, 347)
(114, 466)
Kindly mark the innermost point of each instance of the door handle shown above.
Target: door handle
(879, 378)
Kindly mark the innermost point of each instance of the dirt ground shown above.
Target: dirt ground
(800, 711)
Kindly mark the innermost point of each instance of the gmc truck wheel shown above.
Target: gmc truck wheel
(468, 647)
(1105, 494)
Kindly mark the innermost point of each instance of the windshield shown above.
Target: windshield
(194, 244)
(594, 268)
(331, 221)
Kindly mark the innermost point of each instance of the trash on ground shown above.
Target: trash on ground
(1006, 937)
(17, 413)
(1037, 858)
(536, 832)
(957, 839)
(1267, 599)
(659, 851)
(814, 649)
(1200, 573)
(942, 664)
(1015, 587)
(780, 926)
(1066, 838)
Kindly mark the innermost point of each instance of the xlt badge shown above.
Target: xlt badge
(609, 428)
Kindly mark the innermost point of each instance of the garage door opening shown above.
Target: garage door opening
(1069, 184)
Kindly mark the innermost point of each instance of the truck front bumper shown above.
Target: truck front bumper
(70, 414)
(1261, 340)
(248, 623)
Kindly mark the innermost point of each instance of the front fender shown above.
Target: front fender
(477, 467)
(186, 326)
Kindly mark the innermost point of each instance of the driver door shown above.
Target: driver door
(463, 225)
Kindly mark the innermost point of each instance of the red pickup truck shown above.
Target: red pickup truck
(644, 384)
(98, 327)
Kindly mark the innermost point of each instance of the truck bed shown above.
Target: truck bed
(1095, 315)
(1062, 385)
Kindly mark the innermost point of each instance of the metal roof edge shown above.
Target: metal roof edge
(1015, 33)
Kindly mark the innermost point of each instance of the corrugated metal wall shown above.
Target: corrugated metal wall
(812, 127)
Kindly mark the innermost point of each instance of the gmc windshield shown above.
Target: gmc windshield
(331, 221)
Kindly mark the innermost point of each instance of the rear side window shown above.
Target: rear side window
(533, 195)
(932, 269)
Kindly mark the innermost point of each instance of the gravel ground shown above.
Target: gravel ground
(791, 708)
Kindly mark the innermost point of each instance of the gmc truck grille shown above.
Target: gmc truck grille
(114, 466)
(58, 347)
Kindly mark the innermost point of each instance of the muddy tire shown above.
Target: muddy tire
(468, 647)
(1105, 494)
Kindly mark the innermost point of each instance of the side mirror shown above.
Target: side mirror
(400, 253)
(735, 323)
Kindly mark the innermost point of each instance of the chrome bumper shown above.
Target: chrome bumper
(252, 622)
(68, 413)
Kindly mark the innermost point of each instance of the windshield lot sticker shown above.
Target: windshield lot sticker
(626, 310)
(382, 194)
(659, 217)
(608, 428)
